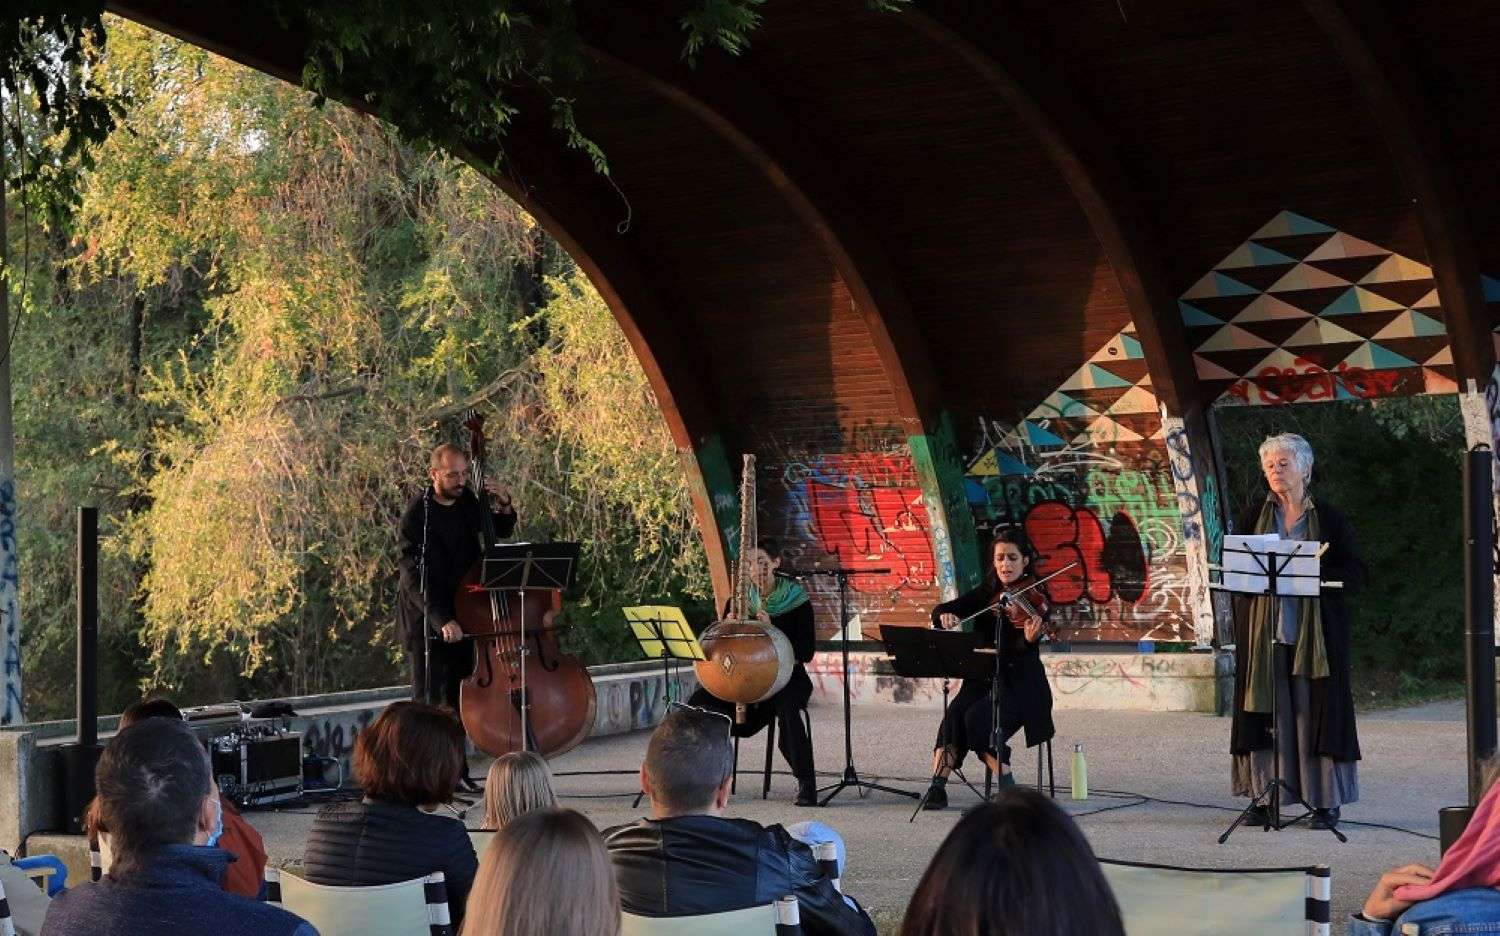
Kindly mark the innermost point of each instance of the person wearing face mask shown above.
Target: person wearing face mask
(782, 603)
(1025, 698)
(1296, 652)
(159, 812)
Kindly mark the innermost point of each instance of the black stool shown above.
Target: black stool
(1051, 780)
(765, 789)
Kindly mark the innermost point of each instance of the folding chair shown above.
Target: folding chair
(773, 919)
(416, 906)
(1158, 900)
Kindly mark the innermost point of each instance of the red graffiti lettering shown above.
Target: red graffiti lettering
(1106, 567)
(1307, 380)
(867, 522)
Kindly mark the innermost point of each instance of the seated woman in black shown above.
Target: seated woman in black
(1025, 699)
(407, 762)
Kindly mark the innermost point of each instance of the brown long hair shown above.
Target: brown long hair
(1015, 867)
(545, 872)
(410, 754)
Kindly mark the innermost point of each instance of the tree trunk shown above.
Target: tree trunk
(10, 619)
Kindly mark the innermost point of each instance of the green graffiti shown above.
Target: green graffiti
(940, 473)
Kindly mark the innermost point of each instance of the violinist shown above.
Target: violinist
(1025, 699)
(439, 539)
(784, 604)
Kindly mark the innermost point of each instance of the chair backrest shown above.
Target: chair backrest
(773, 919)
(403, 909)
(480, 839)
(1157, 900)
(7, 925)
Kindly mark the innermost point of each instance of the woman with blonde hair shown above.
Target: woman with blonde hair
(517, 890)
(518, 783)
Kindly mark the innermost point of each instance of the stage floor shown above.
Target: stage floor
(1414, 763)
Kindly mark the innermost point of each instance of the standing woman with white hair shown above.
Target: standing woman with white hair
(1299, 650)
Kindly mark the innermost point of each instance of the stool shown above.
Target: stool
(1051, 780)
(765, 788)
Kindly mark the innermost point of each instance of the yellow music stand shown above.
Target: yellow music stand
(664, 634)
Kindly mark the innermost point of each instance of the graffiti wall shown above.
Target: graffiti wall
(862, 511)
(1087, 475)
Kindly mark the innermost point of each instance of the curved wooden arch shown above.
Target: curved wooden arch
(1382, 73)
(260, 43)
(727, 101)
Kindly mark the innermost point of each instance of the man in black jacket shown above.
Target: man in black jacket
(439, 541)
(690, 860)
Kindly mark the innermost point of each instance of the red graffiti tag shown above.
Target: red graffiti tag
(1106, 566)
(1306, 380)
(869, 526)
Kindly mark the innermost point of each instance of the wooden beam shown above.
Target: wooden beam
(535, 177)
(1381, 67)
(727, 101)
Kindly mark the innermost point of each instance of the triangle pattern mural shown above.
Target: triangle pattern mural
(1320, 315)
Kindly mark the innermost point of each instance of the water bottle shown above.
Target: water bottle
(1080, 773)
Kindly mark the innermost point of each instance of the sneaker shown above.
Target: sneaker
(937, 797)
(807, 793)
(466, 784)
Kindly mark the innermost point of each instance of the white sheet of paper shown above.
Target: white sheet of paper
(1243, 571)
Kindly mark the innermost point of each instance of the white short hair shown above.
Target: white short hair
(1301, 452)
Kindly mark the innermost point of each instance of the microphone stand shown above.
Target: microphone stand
(851, 776)
(426, 616)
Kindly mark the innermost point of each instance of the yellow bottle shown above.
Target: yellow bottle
(1080, 774)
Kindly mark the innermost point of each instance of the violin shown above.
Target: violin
(1024, 600)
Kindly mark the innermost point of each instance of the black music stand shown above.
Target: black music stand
(518, 567)
(851, 776)
(663, 633)
(1271, 566)
(928, 653)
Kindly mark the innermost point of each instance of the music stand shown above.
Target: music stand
(1268, 566)
(927, 653)
(851, 776)
(663, 633)
(521, 566)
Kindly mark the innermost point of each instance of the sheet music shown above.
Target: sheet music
(1246, 554)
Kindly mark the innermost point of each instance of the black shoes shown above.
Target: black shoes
(1325, 818)
(807, 793)
(937, 797)
(466, 784)
(1258, 816)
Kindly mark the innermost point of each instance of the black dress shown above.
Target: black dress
(787, 705)
(1025, 697)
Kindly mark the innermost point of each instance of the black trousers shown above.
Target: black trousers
(970, 720)
(786, 707)
(451, 665)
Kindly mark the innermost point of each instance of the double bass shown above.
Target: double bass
(518, 663)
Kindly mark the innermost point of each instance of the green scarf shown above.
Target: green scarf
(785, 596)
(1310, 656)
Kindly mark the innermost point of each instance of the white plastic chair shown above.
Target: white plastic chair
(773, 919)
(402, 909)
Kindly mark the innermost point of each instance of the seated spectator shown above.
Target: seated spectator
(1015, 867)
(544, 872)
(689, 859)
(1458, 895)
(517, 783)
(407, 761)
(246, 872)
(157, 804)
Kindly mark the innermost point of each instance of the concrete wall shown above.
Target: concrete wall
(630, 696)
(1161, 682)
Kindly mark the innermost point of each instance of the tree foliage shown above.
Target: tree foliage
(271, 313)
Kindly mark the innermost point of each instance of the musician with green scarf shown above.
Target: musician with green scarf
(783, 603)
(1296, 651)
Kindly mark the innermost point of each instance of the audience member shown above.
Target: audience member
(517, 783)
(689, 859)
(157, 804)
(407, 762)
(246, 872)
(1457, 897)
(1014, 867)
(545, 872)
